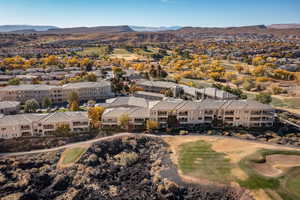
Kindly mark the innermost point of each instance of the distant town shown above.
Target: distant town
(119, 111)
(147, 87)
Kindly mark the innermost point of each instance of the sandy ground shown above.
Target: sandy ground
(276, 165)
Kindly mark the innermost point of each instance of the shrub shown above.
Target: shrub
(127, 159)
(183, 132)
(276, 90)
(264, 98)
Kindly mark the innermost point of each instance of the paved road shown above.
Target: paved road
(65, 146)
(290, 123)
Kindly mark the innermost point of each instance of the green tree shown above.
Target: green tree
(14, 81)
(151, 125)
(91, 77)
(124, 121)
(63, 130)
(74, 106)
(248, 84)
(264, 98)
(47, 103)
(31, 105)
(73, 96)
(95, 115)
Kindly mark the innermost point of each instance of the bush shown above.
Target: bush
(264, 98)
(127, 159)
(183, 132)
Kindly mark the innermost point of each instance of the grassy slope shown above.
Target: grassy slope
(70, 156)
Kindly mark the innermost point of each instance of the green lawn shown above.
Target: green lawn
(121, 51)
(250, 95)
(91, 51)
(199, 160)
(72, 155)
(293, 183)
(198, 83)
(292, 103)
(287, 185)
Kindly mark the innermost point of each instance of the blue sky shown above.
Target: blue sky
(69, 13)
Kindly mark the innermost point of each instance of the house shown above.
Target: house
(125, 102)
(9, 107)
(180, 89)
(22, 93)
(26, 77)
(247, 113)
(131, 75)
(31, 125)
(157, 86)
(137, 117)
(187, 114)
(88, 90)
(163, 111)
(149, 95)
(58, 94)
(214, 93)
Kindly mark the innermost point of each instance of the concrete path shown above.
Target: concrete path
(65, 146)
(130, 134)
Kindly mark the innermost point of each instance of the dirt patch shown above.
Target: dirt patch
(201, 181)
(260, 195)
(277, 164)
(239, 173)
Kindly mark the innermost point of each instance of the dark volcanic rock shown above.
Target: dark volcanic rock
(122, 168)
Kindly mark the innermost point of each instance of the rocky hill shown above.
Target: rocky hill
(123, 168)
(244, 32)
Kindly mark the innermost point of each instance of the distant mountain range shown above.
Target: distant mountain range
(10, 28)
(154, 29)
(284, 26)
(27, 29)
(31, 28)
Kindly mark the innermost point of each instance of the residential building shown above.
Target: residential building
(187, 114)
(137, 117)
(29, 125)
(159, 86)
(58, 94)
(88, 90)
(180, 89)
(125, 102)
(24, 92)
(208, 93)
(9, 107)
(149, 95)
